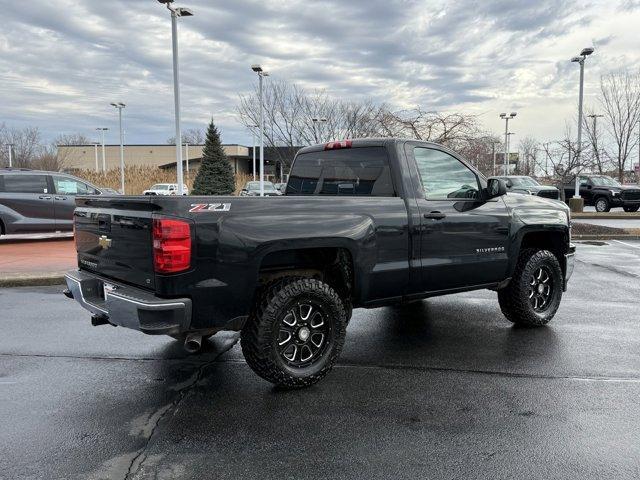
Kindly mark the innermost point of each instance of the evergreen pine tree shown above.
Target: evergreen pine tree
(215, 176)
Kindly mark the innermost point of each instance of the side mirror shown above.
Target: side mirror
(495, 188)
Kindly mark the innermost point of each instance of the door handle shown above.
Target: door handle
(60, 198)
(435, 215)
(44, 197)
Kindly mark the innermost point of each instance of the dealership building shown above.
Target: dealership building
(89, 157)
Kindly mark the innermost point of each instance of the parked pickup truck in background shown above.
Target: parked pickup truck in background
(363, 223)
(605, 193)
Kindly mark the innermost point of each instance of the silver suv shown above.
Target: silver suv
(38, 201)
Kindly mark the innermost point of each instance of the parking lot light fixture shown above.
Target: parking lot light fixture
(175, 13)
(261, 74)
(580, 60)
(120, 106)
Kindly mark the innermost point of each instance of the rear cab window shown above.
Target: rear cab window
(360, 171)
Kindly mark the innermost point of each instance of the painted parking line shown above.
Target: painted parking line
(627, 244)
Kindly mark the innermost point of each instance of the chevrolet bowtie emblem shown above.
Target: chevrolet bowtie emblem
(104, 242)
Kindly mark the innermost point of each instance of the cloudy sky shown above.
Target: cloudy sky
(62, 62)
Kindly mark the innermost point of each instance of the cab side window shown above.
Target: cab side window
(69, 186)
(444, 177)
(25, 183)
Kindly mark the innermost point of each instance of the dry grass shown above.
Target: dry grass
(137, 179)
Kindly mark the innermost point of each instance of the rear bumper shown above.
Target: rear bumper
(569, 264)
(129, 307)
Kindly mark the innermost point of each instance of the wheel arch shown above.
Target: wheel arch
(333, 264)
(556, 239)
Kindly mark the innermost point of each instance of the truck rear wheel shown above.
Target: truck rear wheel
(295, 332)
(633, 208)
(533, 295)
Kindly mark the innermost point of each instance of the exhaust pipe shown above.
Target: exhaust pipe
(193, 342)
(99, 320)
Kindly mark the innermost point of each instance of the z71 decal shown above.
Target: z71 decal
(210, 207)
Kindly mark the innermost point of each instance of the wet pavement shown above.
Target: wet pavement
(444, 388)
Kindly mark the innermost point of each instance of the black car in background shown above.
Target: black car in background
(529, 186)
(34, 201)
(605, 193)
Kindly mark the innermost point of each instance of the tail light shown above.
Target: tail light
(337, 145)
(171, 245)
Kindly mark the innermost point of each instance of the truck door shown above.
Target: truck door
(463, 240)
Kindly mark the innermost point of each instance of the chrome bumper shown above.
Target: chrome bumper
(569, 264)
(127, 306)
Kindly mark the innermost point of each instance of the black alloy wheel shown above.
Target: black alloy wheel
(304, 334)
(541, 290)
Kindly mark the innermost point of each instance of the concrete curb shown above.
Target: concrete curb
(605, 237)
(606, 216)
(32, 279)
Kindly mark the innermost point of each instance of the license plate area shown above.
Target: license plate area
(106, 289)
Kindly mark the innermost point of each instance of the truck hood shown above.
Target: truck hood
(532, 209)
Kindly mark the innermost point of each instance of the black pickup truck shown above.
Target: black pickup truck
(363, 223)
(605, 193)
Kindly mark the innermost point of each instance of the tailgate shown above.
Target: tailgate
(114, 238)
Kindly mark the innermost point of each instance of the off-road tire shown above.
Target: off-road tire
(261, 332)
(602, 204)
(514, 299)
(633, 208)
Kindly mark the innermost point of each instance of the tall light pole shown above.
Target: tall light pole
(175, 13)
(580, 59)
(10, 145)
(104, 161)
(595, 117)
(253, 137)
(261, 74)
(315, 121)
(506, 119)
(120, 106)
(186, 155)
(95, 149)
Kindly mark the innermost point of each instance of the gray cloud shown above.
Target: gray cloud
(64, 62)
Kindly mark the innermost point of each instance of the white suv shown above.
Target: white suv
(166, 189)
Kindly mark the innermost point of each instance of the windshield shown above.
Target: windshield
(160, 186)
(524, 182)
(605, 181)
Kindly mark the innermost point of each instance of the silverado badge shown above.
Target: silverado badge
(104, 242)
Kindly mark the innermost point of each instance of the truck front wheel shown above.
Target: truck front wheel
(533, 295)
(295, 332)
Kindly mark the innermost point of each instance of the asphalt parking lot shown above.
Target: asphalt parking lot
(444, 388)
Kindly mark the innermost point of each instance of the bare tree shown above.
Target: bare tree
(530, 149)
(296, 117)
(620, 98)
(25, 145)
(560, 157)
(192, 136)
